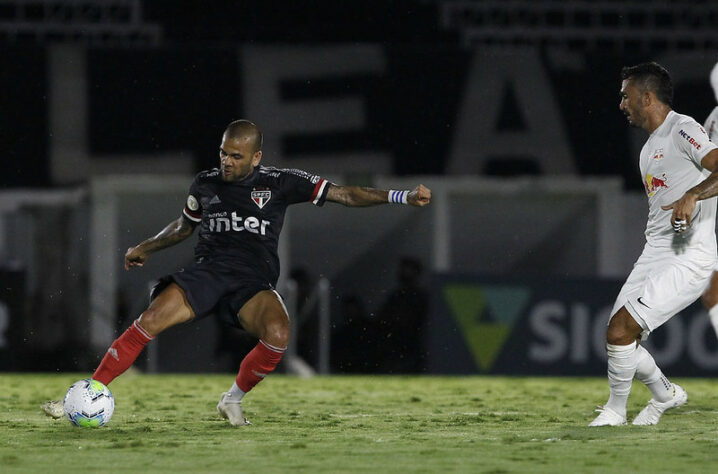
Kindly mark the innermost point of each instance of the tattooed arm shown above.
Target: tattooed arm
(175, 232)
(356, 196)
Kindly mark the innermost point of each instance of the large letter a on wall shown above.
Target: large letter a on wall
(542, 136)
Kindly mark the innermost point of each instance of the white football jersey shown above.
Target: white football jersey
(670, 164)
(711, 125)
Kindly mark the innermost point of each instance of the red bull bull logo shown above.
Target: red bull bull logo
(658, 154)
(654, 183)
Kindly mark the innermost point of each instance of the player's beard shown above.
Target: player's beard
(232, 176)
(634, 117)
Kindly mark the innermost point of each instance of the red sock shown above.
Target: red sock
(257, 364)
(122, 353)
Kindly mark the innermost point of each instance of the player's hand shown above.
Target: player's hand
(682, 212)
(420, 196)
(134, 257)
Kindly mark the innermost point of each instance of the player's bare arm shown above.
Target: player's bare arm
(357, 196)
(175, 232)
(684, 207)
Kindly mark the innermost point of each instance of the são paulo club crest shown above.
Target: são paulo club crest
(261, 196)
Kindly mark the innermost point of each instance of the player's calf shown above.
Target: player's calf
(122, 353)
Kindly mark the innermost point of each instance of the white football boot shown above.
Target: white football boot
(653, 411)
(231, 410)
(608, 417)
(53, 408)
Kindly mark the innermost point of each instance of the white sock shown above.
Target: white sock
(713, 315)
(622, 362)
(648, 372)
(235, 393)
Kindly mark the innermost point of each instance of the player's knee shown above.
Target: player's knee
(622, 330)
(276, 332)
(151, 321)
(615, 335)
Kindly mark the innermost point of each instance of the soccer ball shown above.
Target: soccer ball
(88, 403)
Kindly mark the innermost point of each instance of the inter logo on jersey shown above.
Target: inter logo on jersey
(261, 196)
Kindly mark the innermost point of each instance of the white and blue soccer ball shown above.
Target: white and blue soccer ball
(88, 403)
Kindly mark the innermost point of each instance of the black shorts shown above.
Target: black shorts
(217, 288)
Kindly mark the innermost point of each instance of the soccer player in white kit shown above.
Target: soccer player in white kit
(710, 297)
(677, 165)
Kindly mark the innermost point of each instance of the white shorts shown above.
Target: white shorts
(662, 283)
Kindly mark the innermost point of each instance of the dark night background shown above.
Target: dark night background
(409, 86)
(177, 94)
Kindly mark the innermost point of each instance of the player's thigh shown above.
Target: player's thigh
(169, 308)
(666, 292)
(264, 312)
(644, 266)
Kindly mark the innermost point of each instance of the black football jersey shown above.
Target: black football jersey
(240, 221)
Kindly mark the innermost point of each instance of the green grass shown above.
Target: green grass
(168, 423)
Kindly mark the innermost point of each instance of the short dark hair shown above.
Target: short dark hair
(651, 77)
(245, 128)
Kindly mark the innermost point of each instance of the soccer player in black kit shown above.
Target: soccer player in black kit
(239, 209)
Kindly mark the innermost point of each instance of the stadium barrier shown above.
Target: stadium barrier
(538, 326)
(70, 246)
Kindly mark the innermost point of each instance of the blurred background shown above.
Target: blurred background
(507, 110)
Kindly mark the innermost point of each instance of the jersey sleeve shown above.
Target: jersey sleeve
(193, 207)
(693, 141)
(300, 186)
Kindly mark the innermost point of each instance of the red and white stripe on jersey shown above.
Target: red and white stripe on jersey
(319, 190)
(194, 216)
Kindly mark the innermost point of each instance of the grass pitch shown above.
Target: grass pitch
(165, 423)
